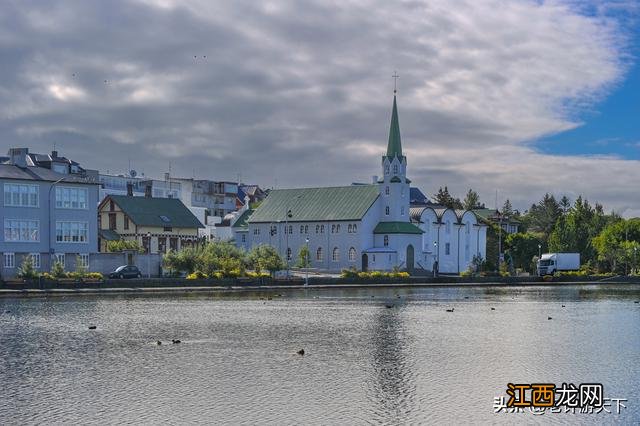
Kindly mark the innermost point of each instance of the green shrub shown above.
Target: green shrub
(26, 270)
(466, 273)
(57, 270)
(121, 245)
(94, 276)
(352, 272)
(197, 275)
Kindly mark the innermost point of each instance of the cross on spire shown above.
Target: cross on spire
(395, 81)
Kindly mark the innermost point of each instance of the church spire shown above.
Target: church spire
(394, 148)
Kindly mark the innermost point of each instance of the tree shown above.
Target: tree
(444, 198)
(507, 209)
(565, 204)
(472, 201)
(27, 270)
(265, 258)
(523, 247)
(57, 270)
(615, 243)
(304, 260)
(542, 217)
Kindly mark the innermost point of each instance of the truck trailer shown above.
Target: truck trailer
(552, 262)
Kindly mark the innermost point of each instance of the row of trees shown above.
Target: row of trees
(606, 242)
(223, 259)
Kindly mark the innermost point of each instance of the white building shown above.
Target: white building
(369, 227)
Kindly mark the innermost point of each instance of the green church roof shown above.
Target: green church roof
(394, 148)
(242, 220)
(396, 228)
(316, 204)
(144, 211)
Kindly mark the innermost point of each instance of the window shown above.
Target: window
(447, 249)
(386, 210)
(317, 228)
(333, 229)
(59, 258)
(274, 230)
(167, 229)
(83, 260)
(335, 256)
(355, 228)
(18, 230)
(126, 222)
(290, 229)
(9, 260)
(146, 244)
(319, 254)
(301, 229)
(112, 221)
(386, 240)
(288, 253)
(20, 195)
(352, 254)
(71, 198)
(306, 229)
(386, 190)
(401, 210)
(395, 169)
(244, 238)
(35, 259)
(112, 207)
(322, 229)
(349, 229)
(386, 169)
(72, 232)
(337, 228)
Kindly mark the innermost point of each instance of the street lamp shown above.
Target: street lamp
(148, 254)
(306, 262)
(539, 251)
(286, 233)
(436, 258)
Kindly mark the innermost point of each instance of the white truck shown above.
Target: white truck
(552, 262)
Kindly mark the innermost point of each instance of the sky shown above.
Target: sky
(519, 97)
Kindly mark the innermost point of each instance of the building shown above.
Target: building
(138, 186)
(254, 192)
(507, 223)
(158, 224)
(368, 227)
(52, 162)
(46, 214)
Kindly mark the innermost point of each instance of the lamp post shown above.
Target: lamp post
(539, 251)
(51, 209)
(286, 233)
(306, 262)
(148, 254)
(436, 258)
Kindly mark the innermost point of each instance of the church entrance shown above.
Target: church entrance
(365, 262)
(410, 258)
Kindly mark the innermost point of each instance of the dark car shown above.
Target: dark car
(126, 271)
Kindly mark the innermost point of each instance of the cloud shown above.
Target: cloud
(298, 94)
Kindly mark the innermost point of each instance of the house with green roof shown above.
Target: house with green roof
(363, 226)
(158, 224)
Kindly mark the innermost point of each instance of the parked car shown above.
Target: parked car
(126, 271)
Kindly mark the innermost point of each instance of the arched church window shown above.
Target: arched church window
(333, 229)
(352, 254)
(386, 190)
(337, 228)
(386, 210)
(386, 240)
(317, 228)
(306, 229)
(395, 169)
(336, 254)
(355, 228)
(322, 229)
(301, 229)
(349, 229)
(386, 169)
(319, 254)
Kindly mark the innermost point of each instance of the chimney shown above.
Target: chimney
(129, 189)
(374, 179)
(147, 191)
(54, 154)
(19, 156)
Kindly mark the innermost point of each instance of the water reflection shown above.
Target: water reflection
(393, 387)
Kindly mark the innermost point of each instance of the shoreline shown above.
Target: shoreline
(4, 292)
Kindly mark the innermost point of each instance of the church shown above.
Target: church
(367, 227)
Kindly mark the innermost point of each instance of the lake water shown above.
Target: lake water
(365, 363)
